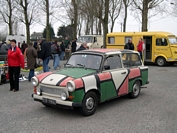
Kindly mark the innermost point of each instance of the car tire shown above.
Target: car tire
(160, 61)
(136, 88)
(89, 104)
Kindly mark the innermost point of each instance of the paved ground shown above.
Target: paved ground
(154, 111)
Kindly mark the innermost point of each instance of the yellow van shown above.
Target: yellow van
(160, 47)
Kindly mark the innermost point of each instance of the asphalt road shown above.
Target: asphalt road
(154, 111)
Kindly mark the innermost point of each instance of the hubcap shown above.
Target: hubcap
(89, 103)
(160, 61)
(136, 89)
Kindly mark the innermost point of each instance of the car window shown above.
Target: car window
(131, 60)
(85, 60)
(112, 62)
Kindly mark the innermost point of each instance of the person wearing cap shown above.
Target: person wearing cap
(15, 62)
(129, 45)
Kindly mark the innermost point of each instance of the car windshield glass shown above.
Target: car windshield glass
(172, 40)
(85, 61)
(87, 39)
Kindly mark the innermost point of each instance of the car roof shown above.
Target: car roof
(106, 51)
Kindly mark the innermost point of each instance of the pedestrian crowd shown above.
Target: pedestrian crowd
(35, 54)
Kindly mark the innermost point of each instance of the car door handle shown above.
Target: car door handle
(123, 73)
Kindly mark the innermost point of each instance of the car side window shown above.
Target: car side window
(131, 60)
(112, 62)
(161, 42)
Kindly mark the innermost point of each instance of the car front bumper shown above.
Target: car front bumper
(57, 102)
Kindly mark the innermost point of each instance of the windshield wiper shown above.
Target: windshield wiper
(81, 65)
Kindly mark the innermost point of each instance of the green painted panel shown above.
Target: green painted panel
(144, 77)
(75, 72)
(78, 95)
(110, 90)
(103, 92)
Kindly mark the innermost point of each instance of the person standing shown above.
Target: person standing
(83, 46)
(66, 43)
(15, 61)
(23, 47)
(74, 45)
(45, 54)
(62, 54)
(129, 45)
(140, 47)
(31, 55)
(55, 50)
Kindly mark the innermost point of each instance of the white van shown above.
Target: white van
(18, 38)
(93, 41)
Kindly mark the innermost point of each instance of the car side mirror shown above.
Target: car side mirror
(106, 67)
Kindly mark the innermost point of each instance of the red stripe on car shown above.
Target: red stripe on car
(134, 72)
(124, 88)
(79, 83)
(63, 83)
(43, 75)
(104, 76)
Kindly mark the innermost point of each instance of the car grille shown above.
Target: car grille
(52, 90)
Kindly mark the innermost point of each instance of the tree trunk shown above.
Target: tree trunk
(27, 23)
(112, 26)
(10, 17)
(87, 27)
(47, 21)
(99, 27)
(74, 2)
(105, 23)
(125, 18)
(145, 16)
(91, 26)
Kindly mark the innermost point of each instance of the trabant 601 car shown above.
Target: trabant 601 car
(91, 77)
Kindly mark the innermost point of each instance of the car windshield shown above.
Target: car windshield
(172, 40)
(87, 39)
(85, 61)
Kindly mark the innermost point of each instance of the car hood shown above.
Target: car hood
(61, 77)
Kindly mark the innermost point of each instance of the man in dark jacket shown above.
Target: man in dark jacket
(45, 53)
(74, 45)
(62, 46)
(82, 47)
(23, 47)
(129, 45)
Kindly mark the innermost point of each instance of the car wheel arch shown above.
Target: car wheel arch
(96, 91)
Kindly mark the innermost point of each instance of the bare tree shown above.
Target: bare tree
(144, 6)
(27, 12)
(126, 5)
(115, 9)
(7, 7)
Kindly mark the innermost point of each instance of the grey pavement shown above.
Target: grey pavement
(154, 111)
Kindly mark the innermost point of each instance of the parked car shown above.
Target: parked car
(91, 77)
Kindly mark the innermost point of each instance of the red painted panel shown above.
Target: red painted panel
(104, 76)
(79, 83)
(43, 75)
(134, 72)
(63, 83)
(124, 88)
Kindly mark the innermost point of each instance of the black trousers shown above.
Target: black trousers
(14, 73)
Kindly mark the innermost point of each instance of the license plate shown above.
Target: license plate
(49, 101)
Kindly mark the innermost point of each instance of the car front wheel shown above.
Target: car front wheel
(89, 104)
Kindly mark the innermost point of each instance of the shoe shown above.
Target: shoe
(10, 89)
(15, 90)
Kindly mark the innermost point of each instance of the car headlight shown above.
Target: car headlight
(63, 96)
(70, 86)
(34, 81)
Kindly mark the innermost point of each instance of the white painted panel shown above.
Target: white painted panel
(118, 77)
(90, 83)
(53, 79)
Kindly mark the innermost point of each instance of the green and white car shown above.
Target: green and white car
(91, 77)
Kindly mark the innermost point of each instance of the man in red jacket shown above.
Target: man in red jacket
(15, 62)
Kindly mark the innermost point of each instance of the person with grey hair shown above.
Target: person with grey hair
(82, 47)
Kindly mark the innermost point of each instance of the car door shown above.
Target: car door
(118, 84)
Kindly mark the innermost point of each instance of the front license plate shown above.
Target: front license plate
(49, 101)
